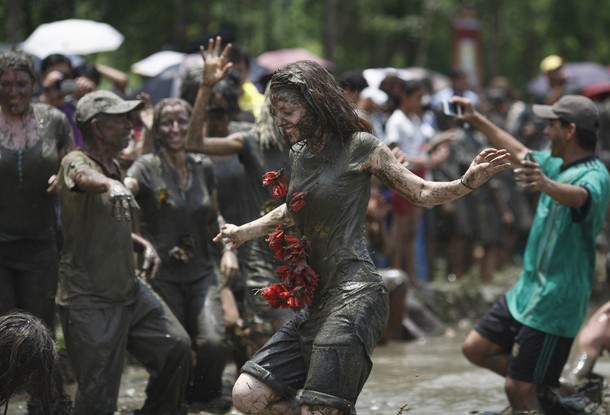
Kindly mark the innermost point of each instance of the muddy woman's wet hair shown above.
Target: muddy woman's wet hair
(322, 96)
(269, 135)
(28, 357)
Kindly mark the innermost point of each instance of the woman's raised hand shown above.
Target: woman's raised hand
(216, 64)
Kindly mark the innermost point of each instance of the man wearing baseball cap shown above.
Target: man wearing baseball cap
(105, 310)
(552, 67)
(527, 334)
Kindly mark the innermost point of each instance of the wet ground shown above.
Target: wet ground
(414, 378)
(420, 377)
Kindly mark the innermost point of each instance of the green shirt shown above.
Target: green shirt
(96, 268)
(553, 290)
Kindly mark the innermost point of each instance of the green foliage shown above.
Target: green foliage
(515, 35)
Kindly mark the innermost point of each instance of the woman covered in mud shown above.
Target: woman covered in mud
(179, 214)
(319, 361)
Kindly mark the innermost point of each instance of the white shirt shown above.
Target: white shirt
(406, 133)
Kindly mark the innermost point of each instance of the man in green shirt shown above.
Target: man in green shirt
(105, 310)
(527, 335)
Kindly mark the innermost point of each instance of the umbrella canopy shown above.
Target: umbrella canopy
(580, 76)
(162, 85)
(374, 76)
(275, 59)
(156, 63)
(73, 37)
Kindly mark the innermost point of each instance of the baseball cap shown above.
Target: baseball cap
(573, 108)
(103, 102)
(550, 63)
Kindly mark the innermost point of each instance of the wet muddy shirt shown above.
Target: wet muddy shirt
(169, 214)
(26, 208)
(333, 218)
(96, 268)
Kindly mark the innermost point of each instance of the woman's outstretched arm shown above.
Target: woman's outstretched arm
(384, 165)
(263, 226)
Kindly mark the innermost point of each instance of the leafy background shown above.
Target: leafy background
(355, 34)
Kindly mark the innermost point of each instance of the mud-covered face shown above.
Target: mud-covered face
(15, 91)
(114, 131)
(173, 126)
(292, 116)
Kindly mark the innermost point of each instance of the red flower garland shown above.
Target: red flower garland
(297, 201)
(278, 181)
(298, 280)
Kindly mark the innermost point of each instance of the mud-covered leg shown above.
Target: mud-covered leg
(253, 397)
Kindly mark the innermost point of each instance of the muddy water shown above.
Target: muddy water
(430, 378)
(433, 378)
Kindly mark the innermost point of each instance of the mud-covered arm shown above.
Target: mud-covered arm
(88, 180)
(229, 264)
(215, 67)
(382, 164)
(263, 226)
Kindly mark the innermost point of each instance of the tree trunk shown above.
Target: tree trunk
(12, 16)
(179, 37)
(329, 29)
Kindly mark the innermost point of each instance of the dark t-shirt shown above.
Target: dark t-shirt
(333, 217)
(351, 294)
(26, 208)
(96, 267)
(182, 214)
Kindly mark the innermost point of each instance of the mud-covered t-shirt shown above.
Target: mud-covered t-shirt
(26, 208)
(96, 268)
(333, 218)
(170, 215)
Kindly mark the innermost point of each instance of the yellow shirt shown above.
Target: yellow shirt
(251, 100)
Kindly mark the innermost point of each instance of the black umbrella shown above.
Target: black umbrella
(162, 85)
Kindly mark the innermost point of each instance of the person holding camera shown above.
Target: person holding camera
(57, 83)
(527, 334)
